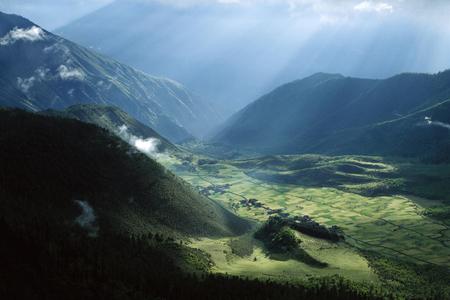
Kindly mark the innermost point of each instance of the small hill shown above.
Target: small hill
(40, 70)
(333, 114)
(113, 119)
(56, 169)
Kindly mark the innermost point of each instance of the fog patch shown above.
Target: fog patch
(67, 73)
(25, 84)
(31, 34)
(87, 218)
(430, 122)
(147, 146)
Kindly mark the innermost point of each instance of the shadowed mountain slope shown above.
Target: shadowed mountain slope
(112, 118)
(327, 113)
(51, 165)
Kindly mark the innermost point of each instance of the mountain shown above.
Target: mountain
(52, 167)
(114, 119)
(85, 216)
(333, 114)
(39, 70)
(229, 53)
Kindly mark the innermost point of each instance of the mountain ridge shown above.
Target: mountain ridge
(299, 114)
(52, 72)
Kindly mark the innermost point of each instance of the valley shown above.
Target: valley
(120, 184)
(391, 224)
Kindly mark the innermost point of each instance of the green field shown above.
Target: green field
(394, 226)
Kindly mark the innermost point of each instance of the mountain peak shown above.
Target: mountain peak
(10, 21)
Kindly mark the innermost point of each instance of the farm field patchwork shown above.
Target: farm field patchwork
(392, 225)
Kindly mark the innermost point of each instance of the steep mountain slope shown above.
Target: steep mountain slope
(39, 70)
(322, 113)
(52, 167)
(112, 118)
(424, 134)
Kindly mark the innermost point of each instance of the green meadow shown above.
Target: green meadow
(389, 224)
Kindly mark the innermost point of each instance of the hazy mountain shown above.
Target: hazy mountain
(39, 70)
(328, 113)
(114, 119)
(233, 53)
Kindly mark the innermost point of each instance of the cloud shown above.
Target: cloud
(371, 6)
(31, 34)
(66, 73)
(87, 218)
(430, 122)
(148, 146)
(25, 84)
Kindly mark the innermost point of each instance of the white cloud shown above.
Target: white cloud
(25, 84)
(148, 146)
(40, 74)
(31, 34)
(371, 6)
(66, 73)
(430, 122)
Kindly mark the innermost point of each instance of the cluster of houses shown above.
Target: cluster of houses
(214, 189)
(255, 203)
(308, 226)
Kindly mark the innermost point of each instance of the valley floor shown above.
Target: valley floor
(393, 226)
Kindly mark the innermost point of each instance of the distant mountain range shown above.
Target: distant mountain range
(406, 115)
(232, 53)
(39, 70)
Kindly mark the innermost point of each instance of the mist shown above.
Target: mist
(430, 122)
(147, 146)
(87, 218)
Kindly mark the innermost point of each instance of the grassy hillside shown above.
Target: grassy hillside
(50, 163)
(111, 118)
(51, 72)
(327, 113)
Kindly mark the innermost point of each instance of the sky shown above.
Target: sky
(52, 14)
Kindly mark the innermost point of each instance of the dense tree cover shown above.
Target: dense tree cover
(47, 163)
(410, 280)
(279, 238)
(39, 261)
